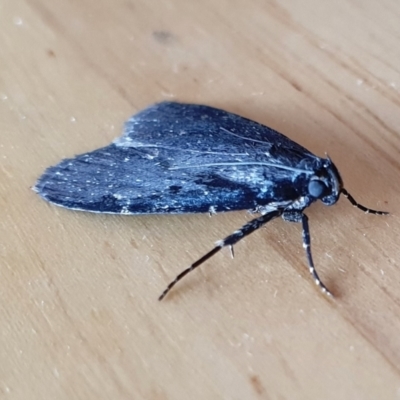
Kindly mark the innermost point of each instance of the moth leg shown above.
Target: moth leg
(349, 197)
(228, 241)
(232, 251)
(298, 216)
(307, 247)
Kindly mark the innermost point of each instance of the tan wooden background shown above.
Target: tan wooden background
(79, 317)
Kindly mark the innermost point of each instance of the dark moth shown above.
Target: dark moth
(176, 158)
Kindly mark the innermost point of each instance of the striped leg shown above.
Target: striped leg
(298, 216)
(230, 240)
(307, 247)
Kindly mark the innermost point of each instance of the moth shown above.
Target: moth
(176, 158)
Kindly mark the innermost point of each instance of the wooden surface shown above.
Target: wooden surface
(79, 317)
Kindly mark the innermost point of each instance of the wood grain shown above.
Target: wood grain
(79, 315)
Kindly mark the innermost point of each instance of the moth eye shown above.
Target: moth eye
(316, 188)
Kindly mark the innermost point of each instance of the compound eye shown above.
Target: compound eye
(316, 188)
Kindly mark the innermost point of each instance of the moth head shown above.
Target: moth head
(326, 184)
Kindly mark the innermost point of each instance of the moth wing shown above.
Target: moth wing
(181, 158)
(203, 129)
